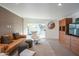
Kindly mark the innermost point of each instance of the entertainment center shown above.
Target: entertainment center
(69, 34)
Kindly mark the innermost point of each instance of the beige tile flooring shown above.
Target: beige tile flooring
(51, 47)
(43, 49)
(59, 49)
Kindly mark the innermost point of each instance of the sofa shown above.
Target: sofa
(10, 41)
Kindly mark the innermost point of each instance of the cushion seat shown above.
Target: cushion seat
(30, 42)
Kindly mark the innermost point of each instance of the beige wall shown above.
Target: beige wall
(9, 22)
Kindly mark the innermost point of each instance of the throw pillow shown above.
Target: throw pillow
(5, 39)
(0, 39)
(16, 35)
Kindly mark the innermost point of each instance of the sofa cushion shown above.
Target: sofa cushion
(0, 39)
(5, 39)
(16, 35)
(22, 36)
(12, 46)
(10, 35)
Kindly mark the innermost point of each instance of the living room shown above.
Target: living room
(39, 29)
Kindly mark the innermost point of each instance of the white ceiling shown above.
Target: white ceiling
(41, 10)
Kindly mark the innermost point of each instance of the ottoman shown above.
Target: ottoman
(30, 43)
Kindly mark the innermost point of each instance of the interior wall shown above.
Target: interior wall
(9, 22)
(74, 16)
(53, 33)
(50, 34)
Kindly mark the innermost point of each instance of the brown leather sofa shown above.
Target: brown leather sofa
(8, 48)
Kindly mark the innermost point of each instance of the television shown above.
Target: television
(77, 26)
(73, 29)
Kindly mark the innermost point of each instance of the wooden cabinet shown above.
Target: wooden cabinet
(63, 38)
(75, 44)
(67, 41)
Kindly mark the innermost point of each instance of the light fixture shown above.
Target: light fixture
(9, 26)
(59, 4)
(17, 3)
